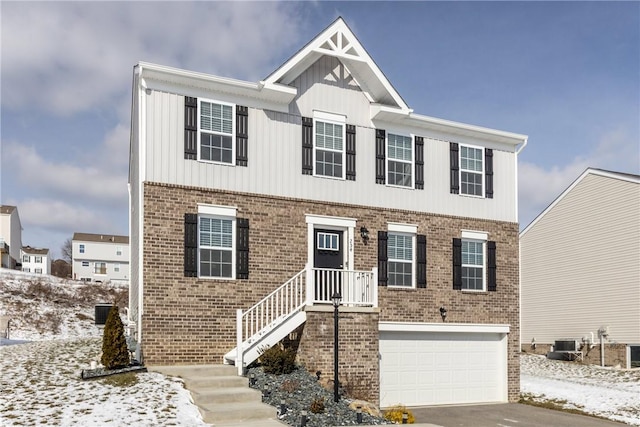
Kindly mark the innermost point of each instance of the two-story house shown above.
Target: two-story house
(253, 203)
(36, 260)
(10, 237)
(100, 258)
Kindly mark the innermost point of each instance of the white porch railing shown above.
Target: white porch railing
(280, 312)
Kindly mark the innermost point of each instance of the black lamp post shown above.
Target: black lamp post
(335, 298)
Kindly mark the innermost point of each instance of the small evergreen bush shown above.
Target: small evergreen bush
(114, 345)
(394, 414)
(278, 360)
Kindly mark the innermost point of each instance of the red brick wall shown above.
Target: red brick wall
(188, 320)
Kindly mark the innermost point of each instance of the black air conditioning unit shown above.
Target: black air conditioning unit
(102, 311)
(566, 345)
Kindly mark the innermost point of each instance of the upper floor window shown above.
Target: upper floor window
(81, 249)
(38, 260)
(329, 145)
(216, 130)
(471, 171)
(399, 160)
(216, 238)
(25, 258)
(119, 250)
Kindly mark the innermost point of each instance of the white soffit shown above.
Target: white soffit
(443, 327)
(338, 41)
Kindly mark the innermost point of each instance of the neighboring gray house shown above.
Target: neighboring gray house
(580, 270)
(100, 258)
(267, 197)
(36, 260)
(10, 237)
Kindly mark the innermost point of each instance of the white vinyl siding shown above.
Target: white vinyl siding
(215, 247)
(399, 160)
(580, 268)
(215, 131)
(471, 171)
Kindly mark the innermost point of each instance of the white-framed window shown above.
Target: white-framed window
(216, 130)
(118, 250)
(401, 255)
(473, 264)
(471, 170)
(100, 268)
(329, 145)
(328, 241)
(399, 160)
(216, 242)
(85, 263)
(81, 248)
(25, 258)
(116, 268)
(26, 269)
(38, 260)
(38, 271)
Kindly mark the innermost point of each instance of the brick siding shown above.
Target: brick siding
(188, 320)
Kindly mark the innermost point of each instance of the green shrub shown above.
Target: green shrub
(278, 360)
(394, 414)
(114, 345)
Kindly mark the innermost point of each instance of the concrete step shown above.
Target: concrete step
(226, 395)
(216, 413)
(216, 382)
(195, 371)
(253, 423)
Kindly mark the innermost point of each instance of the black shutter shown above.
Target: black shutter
(455, 168)
(382, 258)
(457, 264)
(242, 248)
(419, 162)
(351, 153)
(422, 261)
(380, 157)
(190, 128)
(491, 266)
(307, 146)
(488, 172)
(242, 135)
(190, 245)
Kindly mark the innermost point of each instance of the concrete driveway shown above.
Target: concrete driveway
(504, 415)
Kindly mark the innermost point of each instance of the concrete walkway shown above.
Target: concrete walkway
(223, 397)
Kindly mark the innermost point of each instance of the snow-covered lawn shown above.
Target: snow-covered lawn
(605, 392)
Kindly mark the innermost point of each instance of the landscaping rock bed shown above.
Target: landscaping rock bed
(299, 390)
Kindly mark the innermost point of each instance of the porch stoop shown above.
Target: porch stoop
(223, 398)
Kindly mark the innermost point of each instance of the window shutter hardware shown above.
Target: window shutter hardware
(421, 261)
(380, 156)
(488, 172)
(457, 264)
(242, 135)
(190, 128)
(351, 153)
(455, 168)
(190, 245)
(491, 266)
(383, 276)
(242, 248)
(307, 146)
(419, 143)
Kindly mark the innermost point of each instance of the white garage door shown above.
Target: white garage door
(440, 368)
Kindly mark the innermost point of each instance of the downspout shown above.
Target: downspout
(524, 144)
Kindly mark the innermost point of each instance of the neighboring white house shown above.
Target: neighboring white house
(10, 236)
(100, 257)
(36, 260)
(580, 270)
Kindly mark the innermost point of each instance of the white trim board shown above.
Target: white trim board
(479, 328)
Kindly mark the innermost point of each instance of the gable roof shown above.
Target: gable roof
(338, 40)
(628, 177)
(104, 238)
(35, 251)
(6, 209)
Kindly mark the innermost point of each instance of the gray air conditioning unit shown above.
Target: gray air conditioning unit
(566, 345)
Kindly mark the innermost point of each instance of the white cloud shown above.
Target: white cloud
(59, 215)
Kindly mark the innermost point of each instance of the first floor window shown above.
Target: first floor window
(473, 265)
(100, 268)
(216, 246)
(471, 170)
(25, 269)
(399, 160)
(38, 270)
(400, 264)
(215, 126)
(116, 268)
(85, 263)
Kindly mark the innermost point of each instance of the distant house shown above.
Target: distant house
(100, 258)
(36, 260)
(580, 270)
(10, 236)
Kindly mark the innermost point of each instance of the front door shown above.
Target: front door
(328, 262)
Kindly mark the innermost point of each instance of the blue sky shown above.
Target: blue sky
(565, 73)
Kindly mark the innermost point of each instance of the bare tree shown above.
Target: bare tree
(67, 251)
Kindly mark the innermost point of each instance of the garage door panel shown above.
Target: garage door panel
(432, 368)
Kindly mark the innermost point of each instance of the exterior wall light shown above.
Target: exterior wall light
(364, 233)
(443, 313)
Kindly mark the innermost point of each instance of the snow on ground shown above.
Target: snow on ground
(605, 392)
